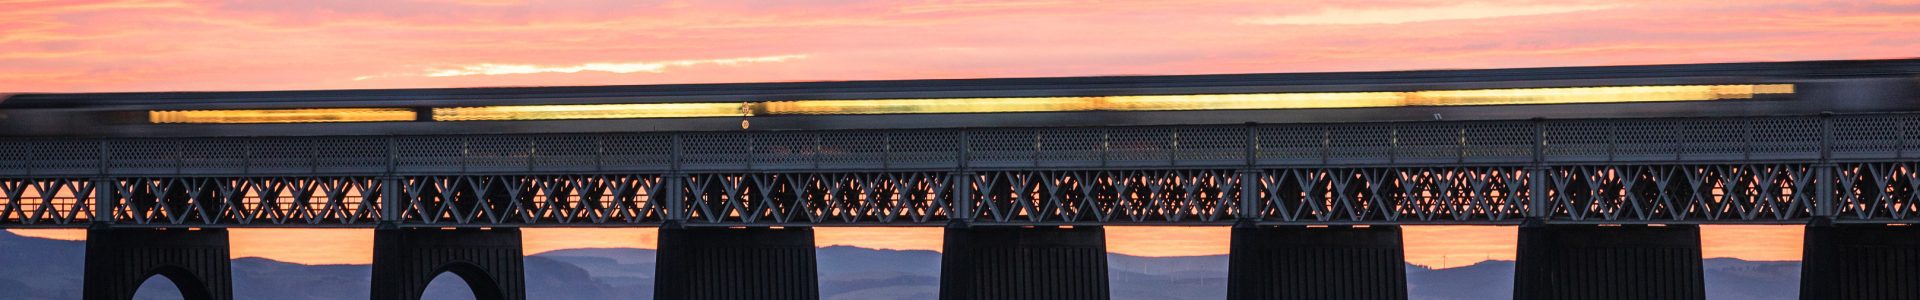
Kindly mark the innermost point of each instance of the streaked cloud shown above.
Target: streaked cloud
(609, 67)
(129, 45)
(1402, 15)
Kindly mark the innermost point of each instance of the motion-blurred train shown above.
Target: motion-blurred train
(1655, 91)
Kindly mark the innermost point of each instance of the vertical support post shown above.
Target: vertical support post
(1824, 189)
(106, 196)
(676, 182)
(1824, 205)
(676, 198)
(962, 197)
(1539, 206)
(392, 189)
(393, 154)
(963, 181)
(1251, 208)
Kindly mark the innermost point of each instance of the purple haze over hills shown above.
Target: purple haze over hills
(35, 268)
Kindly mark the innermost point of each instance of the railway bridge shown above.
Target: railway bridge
(1608, 172)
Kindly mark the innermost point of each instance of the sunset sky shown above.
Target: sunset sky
(105, 46)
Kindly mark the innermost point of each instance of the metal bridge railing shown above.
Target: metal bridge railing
(1701, 140)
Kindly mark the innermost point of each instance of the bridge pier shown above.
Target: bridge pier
(118, 260)
(1609, 262)
(1067, 263)
(405, 260)
(1860, 262)
(736, 263)
(1298, 262)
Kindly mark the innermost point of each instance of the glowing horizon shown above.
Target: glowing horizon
(1434, 246)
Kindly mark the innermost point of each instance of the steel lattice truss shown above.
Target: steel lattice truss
(305, 201)
(545, 199)
(1362, 195)
(1877, 191)
(1683, 192)
(1678, 194)
(1785, 169)
(46, 201)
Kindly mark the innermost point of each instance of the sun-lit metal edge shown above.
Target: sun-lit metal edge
(1251, 101)
(300, 115)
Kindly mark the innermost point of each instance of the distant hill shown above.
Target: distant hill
(35, 268)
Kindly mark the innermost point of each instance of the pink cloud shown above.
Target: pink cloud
(224, 45)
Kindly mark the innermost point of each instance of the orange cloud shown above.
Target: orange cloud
(609, 67)
(1402, 15)
(54, 46)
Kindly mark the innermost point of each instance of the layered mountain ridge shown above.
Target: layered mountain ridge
(36, 268)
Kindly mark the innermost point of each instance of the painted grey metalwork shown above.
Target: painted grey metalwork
(1783, 169)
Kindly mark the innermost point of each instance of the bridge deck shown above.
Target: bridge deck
(1733, 170)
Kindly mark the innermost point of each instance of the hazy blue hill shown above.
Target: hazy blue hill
(1731, 279)
(1491, 279)
(836, 260)
(33, 268)
(623, 271)
(861, 273)
(271, 279)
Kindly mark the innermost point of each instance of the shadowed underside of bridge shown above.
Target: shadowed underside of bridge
(1609, 171)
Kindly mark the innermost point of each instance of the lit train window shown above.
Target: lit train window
(1258, 101)
(299, 115)
(588, 111)
(1250, 101)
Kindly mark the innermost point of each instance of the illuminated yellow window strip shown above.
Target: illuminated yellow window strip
(301, 115)
(587, 111)
(1575, 95)
(1258, 101)
(1568, 95)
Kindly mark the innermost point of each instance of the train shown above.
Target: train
(1598, 92)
